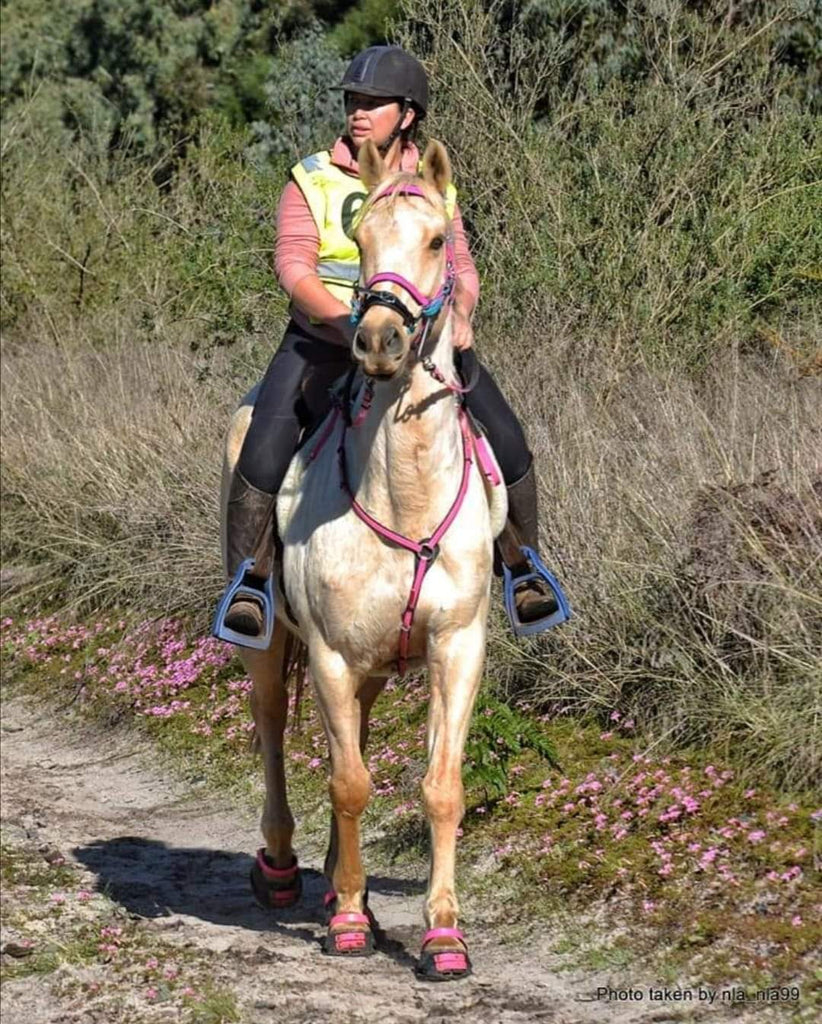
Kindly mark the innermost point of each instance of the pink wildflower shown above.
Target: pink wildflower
(708, 857)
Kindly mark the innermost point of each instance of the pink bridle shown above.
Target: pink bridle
(430, 306)
(426, 550)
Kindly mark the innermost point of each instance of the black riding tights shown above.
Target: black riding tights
(275, 424)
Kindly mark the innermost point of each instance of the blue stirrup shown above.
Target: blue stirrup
(540, 573)
(246, 585)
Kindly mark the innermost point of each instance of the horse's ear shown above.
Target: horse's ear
(371, 164)
(436, 167)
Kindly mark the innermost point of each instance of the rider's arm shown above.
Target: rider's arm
(311, 296)
(466, 292)
(295, 262)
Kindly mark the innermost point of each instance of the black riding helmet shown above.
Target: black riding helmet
(388, 71)
(391, 72)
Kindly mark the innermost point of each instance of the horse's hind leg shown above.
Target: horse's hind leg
(275, 876)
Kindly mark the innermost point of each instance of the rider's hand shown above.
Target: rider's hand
(462, 332)
(344, 328)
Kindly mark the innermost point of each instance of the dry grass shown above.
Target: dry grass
(695, 589)
(111, 465)
(686, 521)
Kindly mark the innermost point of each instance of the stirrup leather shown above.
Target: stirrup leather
(246, 585)
(510, 585)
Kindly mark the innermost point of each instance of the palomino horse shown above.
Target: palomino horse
(389, 491)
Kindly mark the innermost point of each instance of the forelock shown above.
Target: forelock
(393, 187)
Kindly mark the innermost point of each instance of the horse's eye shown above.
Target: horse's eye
(438, 242)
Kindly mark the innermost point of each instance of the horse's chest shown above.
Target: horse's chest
(356, 591)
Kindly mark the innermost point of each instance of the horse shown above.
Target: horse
(395, 460)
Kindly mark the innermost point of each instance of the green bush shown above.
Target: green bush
(669, 206)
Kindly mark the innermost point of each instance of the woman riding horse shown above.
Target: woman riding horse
(317, 264)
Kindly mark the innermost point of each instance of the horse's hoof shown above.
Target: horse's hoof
(351, 942)
(330, 908)
(443, 964)
(275, 888)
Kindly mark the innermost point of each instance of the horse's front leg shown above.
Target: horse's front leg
(455, 666)
(336, 687)
(369, 691)
(275, 876)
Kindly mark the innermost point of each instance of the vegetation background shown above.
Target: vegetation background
(641, 187)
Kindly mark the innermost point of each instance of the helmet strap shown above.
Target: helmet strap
(389, 142)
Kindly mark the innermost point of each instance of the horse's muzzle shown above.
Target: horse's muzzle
(380, 349)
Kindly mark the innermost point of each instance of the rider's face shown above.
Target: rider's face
(372, 117)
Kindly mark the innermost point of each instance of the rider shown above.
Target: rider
(317, 263)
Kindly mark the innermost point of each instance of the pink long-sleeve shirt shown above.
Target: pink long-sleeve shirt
(296, 252)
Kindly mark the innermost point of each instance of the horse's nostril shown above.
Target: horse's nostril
(359, 345)
(392, 340)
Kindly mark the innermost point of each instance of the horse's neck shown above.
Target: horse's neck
(411, 462)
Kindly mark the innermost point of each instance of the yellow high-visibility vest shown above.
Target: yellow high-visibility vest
(334, 197)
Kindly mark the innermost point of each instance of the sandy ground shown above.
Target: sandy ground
(180, 860)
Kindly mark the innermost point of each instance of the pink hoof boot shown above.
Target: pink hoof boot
(330, 908)
(443, 964)
(275, 888)
(351, 942)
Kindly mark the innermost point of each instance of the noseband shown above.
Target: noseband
(366, 295)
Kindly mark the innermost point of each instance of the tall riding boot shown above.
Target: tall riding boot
(250, 534)
(534, 600)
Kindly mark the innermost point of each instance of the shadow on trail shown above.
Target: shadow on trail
(151, 879)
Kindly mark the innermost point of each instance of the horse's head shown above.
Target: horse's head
(404, 239)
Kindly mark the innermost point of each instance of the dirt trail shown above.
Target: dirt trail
(181, 859)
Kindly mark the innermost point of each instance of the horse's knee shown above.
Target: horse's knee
(349, 790)
(443, 799)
